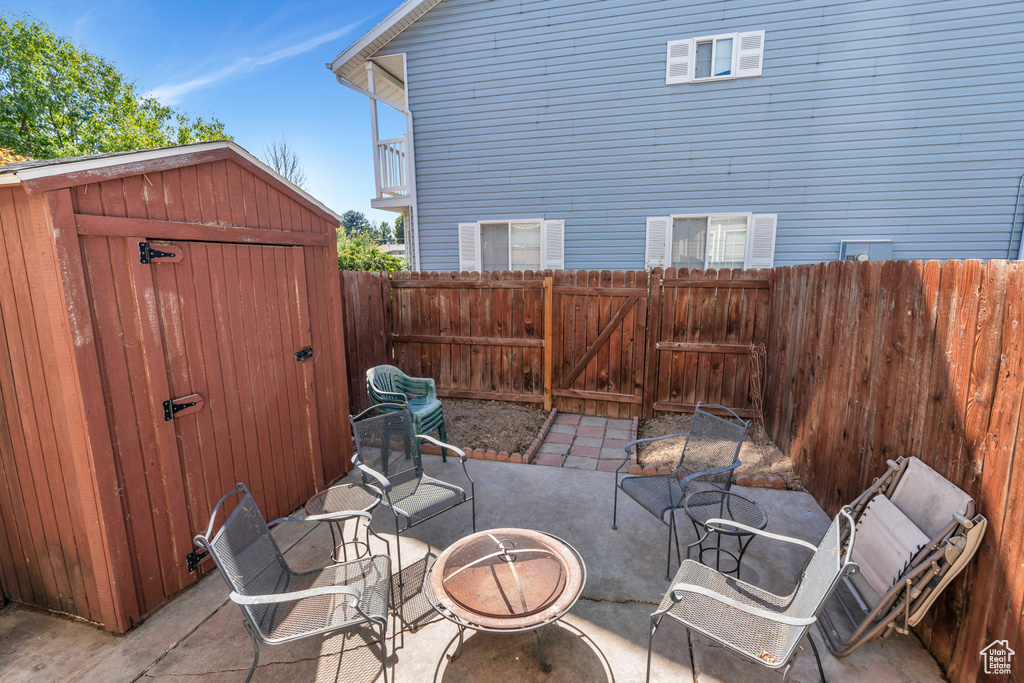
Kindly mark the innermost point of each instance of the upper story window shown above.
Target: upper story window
(531, 244)
(711, 58)
(741, 240)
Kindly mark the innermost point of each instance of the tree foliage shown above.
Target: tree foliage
(360, 252)
(400, 229)
(285, 161)
(58, 100)
(356, 223)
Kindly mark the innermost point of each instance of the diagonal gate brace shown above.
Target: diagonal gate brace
(602, 338)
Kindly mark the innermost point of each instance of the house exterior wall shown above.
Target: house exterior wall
(894, 119)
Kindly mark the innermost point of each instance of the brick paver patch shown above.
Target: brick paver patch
(591, 443)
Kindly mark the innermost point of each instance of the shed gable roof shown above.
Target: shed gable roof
(50, 174)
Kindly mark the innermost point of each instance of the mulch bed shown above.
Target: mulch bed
(758, 455)
(491, 425)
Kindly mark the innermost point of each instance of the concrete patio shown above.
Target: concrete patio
(199, 635)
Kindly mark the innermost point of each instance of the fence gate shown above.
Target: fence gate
(701, 325)
(599, 325)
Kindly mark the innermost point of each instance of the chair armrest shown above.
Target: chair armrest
(420, 386)
(374, 474)
(677, 591)
(442, 444)
(716, 522)
(653, 438)
(352, 594)
(697, 475)
(326, 517)
(400, 396)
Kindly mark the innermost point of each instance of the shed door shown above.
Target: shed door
(232, 317)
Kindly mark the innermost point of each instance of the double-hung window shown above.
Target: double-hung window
(741, 240)
(715, 58)
(526, 244)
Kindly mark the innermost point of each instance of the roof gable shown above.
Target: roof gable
(355, 55)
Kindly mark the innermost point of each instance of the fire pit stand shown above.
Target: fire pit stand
(505, 581)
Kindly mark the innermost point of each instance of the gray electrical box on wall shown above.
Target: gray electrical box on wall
(865, 250)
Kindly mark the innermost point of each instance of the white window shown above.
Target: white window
(711, 241)
(715, 58)
(529, 244)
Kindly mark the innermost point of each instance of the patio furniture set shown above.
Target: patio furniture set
(885, 558)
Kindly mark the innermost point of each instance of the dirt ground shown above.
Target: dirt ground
(758, 455)
(491, 425)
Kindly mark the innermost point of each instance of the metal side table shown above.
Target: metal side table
(358, 498)
(703, 506)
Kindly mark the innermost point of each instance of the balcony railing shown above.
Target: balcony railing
(391, 179)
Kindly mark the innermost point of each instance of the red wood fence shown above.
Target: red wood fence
(871, 361)
(617, 343)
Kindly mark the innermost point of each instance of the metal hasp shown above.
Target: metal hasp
(189, 404)
(193, 559)
(304, 354)
(147, 254)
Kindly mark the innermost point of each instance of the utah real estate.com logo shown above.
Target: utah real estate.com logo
(997, 657)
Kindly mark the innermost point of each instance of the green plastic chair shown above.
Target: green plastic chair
(388, 384)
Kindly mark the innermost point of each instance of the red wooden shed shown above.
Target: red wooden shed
(170, 324)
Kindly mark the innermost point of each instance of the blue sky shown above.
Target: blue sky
(258, 66)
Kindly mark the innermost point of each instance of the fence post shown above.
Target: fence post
(653, 336)
(549, 292)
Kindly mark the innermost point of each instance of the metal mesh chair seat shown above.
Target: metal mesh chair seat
(420, 499)
(370, 576)
(659, 493)
(756, 638)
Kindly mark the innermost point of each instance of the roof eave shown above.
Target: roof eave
(359, 51)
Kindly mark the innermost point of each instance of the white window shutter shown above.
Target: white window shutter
(657, 242)
(469, 246)
(554, 245)
(750, 54)
(679, 65)
(761, 240)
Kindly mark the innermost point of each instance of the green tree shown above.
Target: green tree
(400, 229)
(58, 100)
(355, 223)
(383, 233)
(360, 252)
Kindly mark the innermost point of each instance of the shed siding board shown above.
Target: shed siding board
(862, 127)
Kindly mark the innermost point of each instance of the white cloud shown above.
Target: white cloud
(172, 93)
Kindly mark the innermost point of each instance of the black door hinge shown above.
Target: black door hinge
(147, 253)
(193, 559)
(304, 354)
(171, 408)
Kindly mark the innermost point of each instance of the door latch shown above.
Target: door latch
(186, 404)
(304, 354)
(147, 254)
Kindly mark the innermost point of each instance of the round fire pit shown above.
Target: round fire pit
(506, 581)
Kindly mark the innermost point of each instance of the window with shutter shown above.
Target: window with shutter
(711, 58)
(720, 241)
(511, 245)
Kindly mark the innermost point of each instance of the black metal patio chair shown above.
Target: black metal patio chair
(709, 456)
(280, 605)
(388, 457)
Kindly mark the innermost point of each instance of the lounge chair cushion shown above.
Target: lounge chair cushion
(928, 498)
(886, 541)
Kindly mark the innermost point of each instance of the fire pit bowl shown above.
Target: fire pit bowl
(506, 581)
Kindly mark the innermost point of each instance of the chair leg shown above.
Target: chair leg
(398, 550)
(255, 647)
(650, 646)
(472, 504)
(384, 649)
(817, 659)
(444, 437)
(615, 504)
(668, 558)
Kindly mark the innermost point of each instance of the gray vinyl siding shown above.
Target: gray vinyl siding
(889, 119)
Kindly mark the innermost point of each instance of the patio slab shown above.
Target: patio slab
(199, 635)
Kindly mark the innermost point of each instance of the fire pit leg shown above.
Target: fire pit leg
(458, 649)
(540, 653)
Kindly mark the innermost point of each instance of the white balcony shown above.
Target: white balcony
(391, 168)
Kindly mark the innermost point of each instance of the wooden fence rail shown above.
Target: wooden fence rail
(871, 361)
